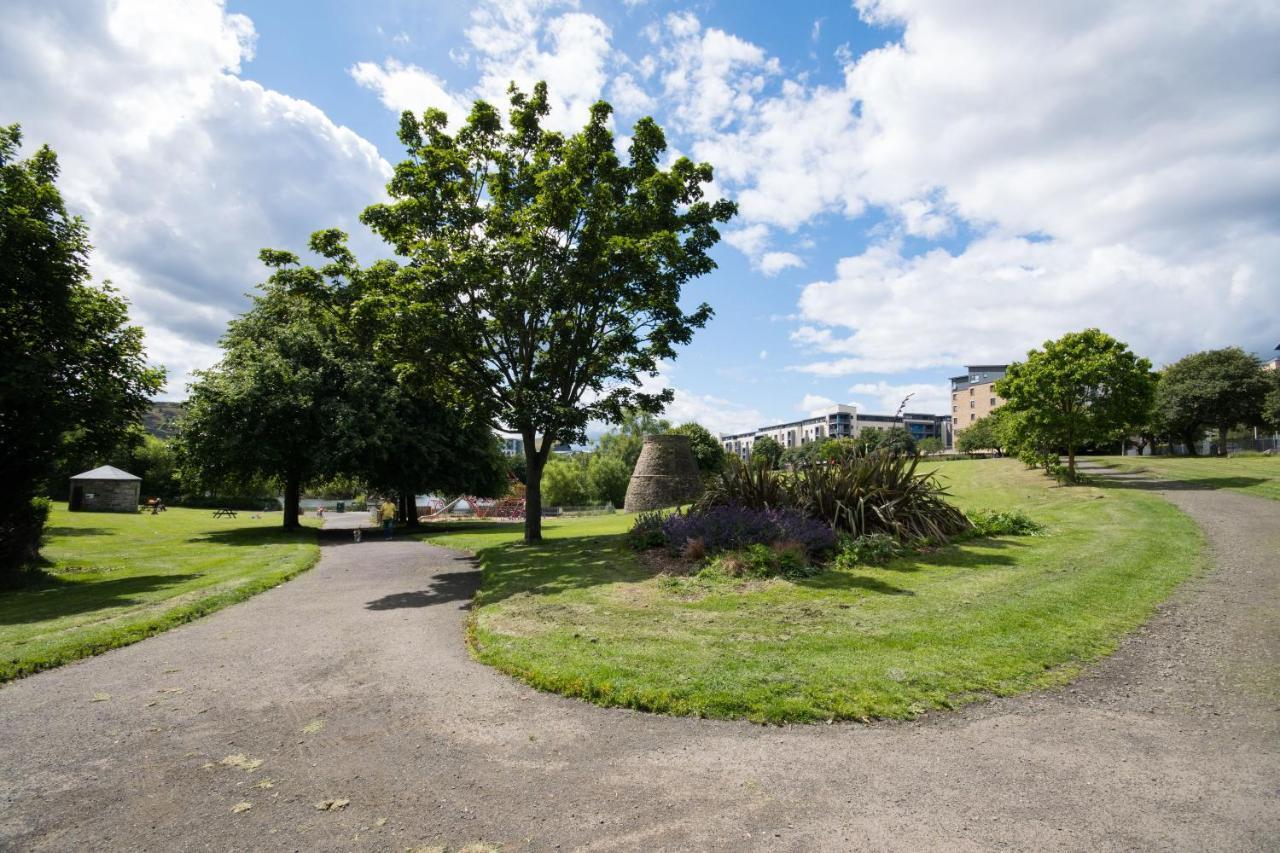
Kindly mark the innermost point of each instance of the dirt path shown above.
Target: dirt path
(351, 682)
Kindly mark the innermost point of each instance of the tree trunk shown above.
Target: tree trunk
(1222, 440)
(1071, 462)
(409, 506)
(533, 488)
(292, 492)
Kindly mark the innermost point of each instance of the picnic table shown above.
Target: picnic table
(224, 513)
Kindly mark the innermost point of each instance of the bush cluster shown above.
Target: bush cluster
(873, 549)
(646, 531)
(723, 528)
(877, 493)
(781, 559)
(1007, 523)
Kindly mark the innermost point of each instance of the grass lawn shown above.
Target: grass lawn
(581, 615)
(1253, 475)
(114, 579)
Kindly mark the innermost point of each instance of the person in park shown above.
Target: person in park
(388, 517)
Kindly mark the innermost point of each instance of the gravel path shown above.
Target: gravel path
(351, 682)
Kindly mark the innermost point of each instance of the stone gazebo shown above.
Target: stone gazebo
(666, 474)
(104, 489)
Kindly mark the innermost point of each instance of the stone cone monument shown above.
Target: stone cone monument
(666, 474)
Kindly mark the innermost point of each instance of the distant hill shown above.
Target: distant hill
(159, 420)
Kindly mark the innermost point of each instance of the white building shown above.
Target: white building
(839, 421)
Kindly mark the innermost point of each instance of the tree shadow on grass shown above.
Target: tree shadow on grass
(51, 597)
(257, 536)
(1151, 481)
(53, 532)
(557, 565)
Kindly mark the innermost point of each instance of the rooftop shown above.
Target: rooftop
(106, 472)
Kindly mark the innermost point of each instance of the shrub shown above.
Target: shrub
(723, 528)
(21, 538)
(646, 530)
(1008, 523)
(879, 493)
(872, 549)
(786, 559)
(752, 485)
(695, 550)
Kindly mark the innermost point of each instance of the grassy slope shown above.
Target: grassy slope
(580, 615)
(114, 579)
(1253, 475)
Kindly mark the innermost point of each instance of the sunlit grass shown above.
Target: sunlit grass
(112, 579)
(581, 615)
(1253, 475)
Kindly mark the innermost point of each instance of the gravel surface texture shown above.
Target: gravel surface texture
(342, 708)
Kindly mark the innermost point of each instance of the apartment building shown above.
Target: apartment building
(839, 421)
(973, 395)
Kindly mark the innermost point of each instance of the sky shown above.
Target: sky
(922, 184)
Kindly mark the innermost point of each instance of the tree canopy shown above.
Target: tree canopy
(1086, 387)
(987, 433)
(1219, 389)
(708, 452)
(75, 372)
(545, 274)
(767, 450)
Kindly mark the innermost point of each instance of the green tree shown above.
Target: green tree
(1221, 388)
(983, 434)
(898, 440)
(565, 481)
(1271, 407)
(625, 440)
(708, 452)
(1086, 387)
(75, 374)
(545, 274)
(931, 444)
(607, 479)
(290, 398)
(768, 450)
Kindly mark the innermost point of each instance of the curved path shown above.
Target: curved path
(351, 682)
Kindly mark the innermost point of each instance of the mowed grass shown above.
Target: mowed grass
(1253, 475)
(113, 579)
(581, 615)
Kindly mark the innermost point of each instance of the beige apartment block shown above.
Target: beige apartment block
(973, 395)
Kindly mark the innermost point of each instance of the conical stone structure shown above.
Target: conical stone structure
(666, 474)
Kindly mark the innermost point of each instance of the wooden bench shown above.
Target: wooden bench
(224, 513)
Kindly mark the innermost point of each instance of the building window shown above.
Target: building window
(972, 417)
(993, 401)
(972, 403)
(955, 409)
(970, 392)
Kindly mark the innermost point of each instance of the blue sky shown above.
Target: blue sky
(921, 185)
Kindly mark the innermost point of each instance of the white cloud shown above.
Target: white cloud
(885, 397)
(813, 404)
(1144, 144)
(711, 78)
(772, 263)
(764, 353)
(403, 87)
(182, 168)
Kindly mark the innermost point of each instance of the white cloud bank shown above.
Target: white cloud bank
(182, 169)
(1143, 143)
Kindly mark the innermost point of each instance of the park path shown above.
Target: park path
(352, 682)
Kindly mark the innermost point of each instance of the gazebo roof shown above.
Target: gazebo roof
(106, 472)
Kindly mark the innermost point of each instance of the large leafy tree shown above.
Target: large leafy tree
(767, 451)
(1221, 389)
(708, 452)
(1084, 388)
(544, 273)
(74, 372)
(288, 399)
(987, 433)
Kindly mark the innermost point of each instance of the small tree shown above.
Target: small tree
(607, 479)
(73, 372)
(768, 450)
(931, 444)
(625, 440)
(982, 434)
(565, 481)
(1086, 387)
(708, 452)
(546, 274)
(1221, 388)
